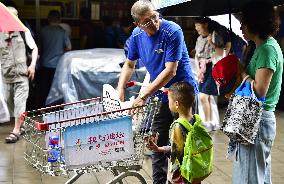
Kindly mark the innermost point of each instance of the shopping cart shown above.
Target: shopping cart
(91, 135)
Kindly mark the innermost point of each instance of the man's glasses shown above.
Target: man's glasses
(153, 18)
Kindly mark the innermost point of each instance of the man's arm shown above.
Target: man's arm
(31, 68)
(32, 45)
(68, 45)
(125, 75)
(34, 56)
(162, 79)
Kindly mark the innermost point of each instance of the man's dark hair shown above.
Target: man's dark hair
(260, 18)
(184, 93)
(54, 15)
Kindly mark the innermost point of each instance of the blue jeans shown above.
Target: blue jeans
(253, 162)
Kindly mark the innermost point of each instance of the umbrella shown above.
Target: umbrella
(9, 21)
(158, 4)
(224, 20)
(204, 7)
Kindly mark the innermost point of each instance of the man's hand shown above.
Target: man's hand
(31, 72)
(121, 94)
(137, 103)
(125, 75)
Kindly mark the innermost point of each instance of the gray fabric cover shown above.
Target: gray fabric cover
(81, 74)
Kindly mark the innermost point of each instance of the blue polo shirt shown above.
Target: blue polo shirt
(167, 45)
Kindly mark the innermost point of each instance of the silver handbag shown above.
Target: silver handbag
(241, 120)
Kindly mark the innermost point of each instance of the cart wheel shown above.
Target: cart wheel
(116, 173)
(123, 175)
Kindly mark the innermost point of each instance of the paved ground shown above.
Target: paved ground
(14, 170)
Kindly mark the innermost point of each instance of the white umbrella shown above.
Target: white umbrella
(158, 4)
(224, 21)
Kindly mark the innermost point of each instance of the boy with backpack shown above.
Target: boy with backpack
(191, 148)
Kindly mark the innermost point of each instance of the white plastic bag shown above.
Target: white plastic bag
(4, 112)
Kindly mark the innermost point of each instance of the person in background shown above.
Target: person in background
(126, 27)
(16, 74)
(54, 43)
(160, 46)
(87, 38)
(259, 24)
(210, 47)
(280, 39)
(110, 32)
(280, 34)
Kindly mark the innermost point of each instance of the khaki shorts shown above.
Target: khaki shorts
(16, 95)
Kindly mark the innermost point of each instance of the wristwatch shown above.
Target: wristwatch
(142, 96)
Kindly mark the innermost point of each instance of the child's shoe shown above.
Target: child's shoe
(215, 126)
(208, 126)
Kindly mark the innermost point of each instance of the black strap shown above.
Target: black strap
(28, 49)
(22, 33)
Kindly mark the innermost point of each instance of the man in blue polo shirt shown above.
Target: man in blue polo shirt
(160, 46)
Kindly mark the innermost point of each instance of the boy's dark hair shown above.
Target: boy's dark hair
(184, 93)
(260, 18)
(54, 15)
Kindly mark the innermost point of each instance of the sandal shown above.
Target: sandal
(12, 138)
(22, 129)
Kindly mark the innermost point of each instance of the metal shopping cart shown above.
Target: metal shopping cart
(91, 135)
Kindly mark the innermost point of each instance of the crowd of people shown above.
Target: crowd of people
(160, 46)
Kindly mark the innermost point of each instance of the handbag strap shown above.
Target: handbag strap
(252, 82)
(252, 91)
(246, 77)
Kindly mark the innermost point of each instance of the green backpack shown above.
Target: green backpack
(197, 163)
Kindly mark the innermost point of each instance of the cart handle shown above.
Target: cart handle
(41, 126)
(62, 105)
(135, 83)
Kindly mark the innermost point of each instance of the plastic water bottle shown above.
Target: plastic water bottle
(54, 149)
